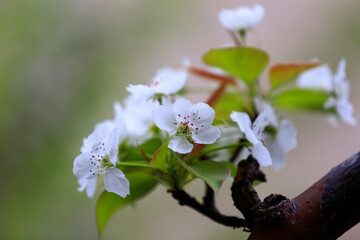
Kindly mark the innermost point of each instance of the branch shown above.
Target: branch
(211, 212)
(326, 210)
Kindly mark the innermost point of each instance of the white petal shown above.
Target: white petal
(331, 102)
(83, 167)
(164, 118)
(112, 145)
(182, 108)
(244, 122)
(262, 106)
(259, 125)
(179, 144)
(286, 135)
(206, 136)
(317, 78)
(261, 154)
(241, 17)
(116, 182)
(141, 90)
(277, 154)
(345, 111)
(341, 70)
(201, 113)
(89, 185)
(169, 81)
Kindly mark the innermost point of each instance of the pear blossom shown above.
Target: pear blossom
(166, 81)
(241, 18)
(185, 121)
(254, 134)
(337, 85)
(282, 140)
(99, 157)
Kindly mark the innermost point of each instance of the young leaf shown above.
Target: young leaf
(245, 63)
(159, 157)
(299, 98)
(283, 73)
(213, 173)
(230, 102)
(108, 203)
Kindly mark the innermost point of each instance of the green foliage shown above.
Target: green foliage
(213, 173)
(283, 73)
(231, 102)
(159, 157)
(142, 164)
(299, 98)
(246, 63)
(108, 203)
(231, 167)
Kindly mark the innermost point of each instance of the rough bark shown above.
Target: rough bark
(326, 210)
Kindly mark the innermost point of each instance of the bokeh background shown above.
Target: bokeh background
(64, 63)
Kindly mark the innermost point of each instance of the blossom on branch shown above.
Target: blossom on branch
(241, 18)
(99, 157)
(187, 123)
(166, 81)
(280, 138)
(254, 134)
(337, 85)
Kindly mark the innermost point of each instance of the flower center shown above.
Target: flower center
(100, 159)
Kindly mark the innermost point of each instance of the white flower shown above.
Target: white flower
(338, 85)
(100, 158)
(316, 78)
(282, 140)
(166, 81)
(136, 116)
(241, 18)
(186, 121)
(254, 134)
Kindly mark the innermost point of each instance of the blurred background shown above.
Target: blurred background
(64, 63)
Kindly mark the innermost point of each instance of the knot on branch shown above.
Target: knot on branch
(275, 209)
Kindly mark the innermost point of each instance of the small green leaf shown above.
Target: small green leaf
(232, 168)
(159, 157)
(108, 203)
(213, 173)
(245, 63)
(283, 73)
(299, 98)
(230, 102)
(151, 145)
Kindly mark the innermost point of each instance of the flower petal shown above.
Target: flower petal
(164, 118)
(141, 91)
(244, 122)
(206, 136)
(116, 182)
(345, 110)
(286, 135)
(112, 145)
(317, 78)
(201, 113)
(169, 81)
(277, 154)
(179, 144)
(259, 125)
(261, 154)
(181, 108)
(88, 184)
(263, 106)
(83, 167)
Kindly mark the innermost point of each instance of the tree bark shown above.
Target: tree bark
(326, 210)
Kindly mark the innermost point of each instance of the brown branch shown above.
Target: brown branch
(326, 210)
(212, 213)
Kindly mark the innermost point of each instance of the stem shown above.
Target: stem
(223, 147)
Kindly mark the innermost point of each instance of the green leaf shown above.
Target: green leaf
(213, 173)
(159, 157)
(283, 73)
(151, 145)
(232, 167)
(230, 102)
(245, 63)
(299, 98)
(108, 203)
